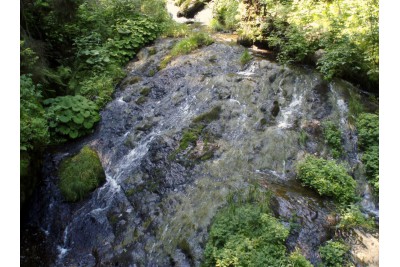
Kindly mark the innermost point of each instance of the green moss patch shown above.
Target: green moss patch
(80, 174)
(204, 149)
(141, 100)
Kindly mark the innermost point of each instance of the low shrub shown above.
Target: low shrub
(368, 130)
(370, 158)
(33, 123)
(71, 116)
(327, 177)
(352, 216)
(248, 236)
(298, 260)
(333, 254)
(368, 142)
(333, 137)
(80, 174)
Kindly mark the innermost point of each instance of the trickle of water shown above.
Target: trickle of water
(250, 71)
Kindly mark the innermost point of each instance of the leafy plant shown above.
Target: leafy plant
(327, 177)
(368, 130)
(333, 254)
(351, 217)
(296, 259)
(248, 236)
(80, 174)
(370, 158)
(34, 131)
(71, 116)
(333, 137)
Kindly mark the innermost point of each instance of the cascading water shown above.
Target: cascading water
(156, 205)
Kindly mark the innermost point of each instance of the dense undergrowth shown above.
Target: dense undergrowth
(246, 234)
(72, 56)
(341, 37)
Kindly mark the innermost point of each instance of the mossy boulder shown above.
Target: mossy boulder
(80, 174)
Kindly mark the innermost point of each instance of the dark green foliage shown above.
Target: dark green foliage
(298, 260)
(341, 59)
(368, 130)
(368, 142)
(333, 137)
(333, 254)
(345, 33)
(80, 174)
(194, 41)
(327, 177)
(291, 43)
(248, 236)
(71, 116)
(370, 158)
(33, 123)
(245, 57)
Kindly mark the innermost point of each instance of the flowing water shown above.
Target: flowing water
(153, 202)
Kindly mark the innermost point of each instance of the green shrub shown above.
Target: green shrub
(351, 217)
(327, 177)
(298, 260)
(33, 123)
(368, 130)
(370, 158)
(368, 141)
(80, 174)
(245, 57)
(333, 254)
(71, 116)
(246, 236)
(333, 137)
(341, 58)
(98, 87)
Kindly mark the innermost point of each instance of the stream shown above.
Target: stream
(152, 201)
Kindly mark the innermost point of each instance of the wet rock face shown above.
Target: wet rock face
(160, 196)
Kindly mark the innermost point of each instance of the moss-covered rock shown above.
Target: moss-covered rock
(80, 174)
